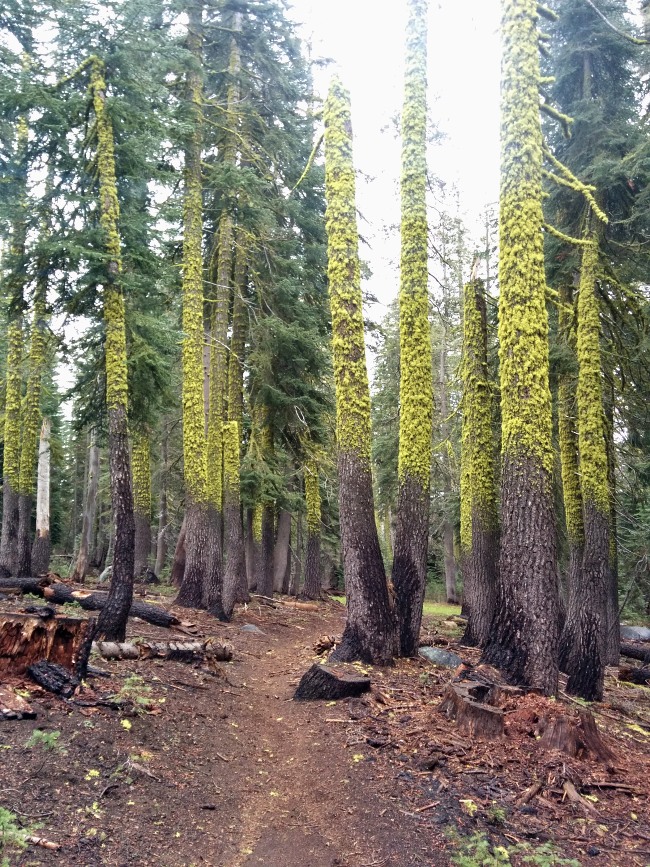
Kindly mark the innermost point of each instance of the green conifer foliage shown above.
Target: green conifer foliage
(370, 631)
(524, 638)
(416, 376)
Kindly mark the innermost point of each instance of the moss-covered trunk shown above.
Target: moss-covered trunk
(312, 586)
(584, 638)
(416, 387)
(111, 623)
(141, 466)
(194, 442)
(613, 638)
(524, 637)
(15, 286)
(370, 632)
(480, 526)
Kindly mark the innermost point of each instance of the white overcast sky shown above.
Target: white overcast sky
(365, 40)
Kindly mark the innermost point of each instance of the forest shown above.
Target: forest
(225, 474)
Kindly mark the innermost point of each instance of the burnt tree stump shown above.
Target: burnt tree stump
(323, 682)
(29, 638)
(466, 704)
(54, 677)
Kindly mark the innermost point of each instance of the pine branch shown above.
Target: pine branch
(633, 39)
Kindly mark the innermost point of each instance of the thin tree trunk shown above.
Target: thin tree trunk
(281, 549)
(235, 585)
(613, 638)
(80, 569)
(111, 623)
(161, 540)
(42, 542)
(178, 564)
(296, 553)
(253, 540)
(265, 560)
(312, 586)
(141, 468)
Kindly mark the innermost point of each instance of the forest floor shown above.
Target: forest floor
(220, 767)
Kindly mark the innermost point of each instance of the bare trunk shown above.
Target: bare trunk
(369, 633)
(81, 565)
(178, 565)
(312, 587)
(213, 583)
(450, 562)
(196, 554)
(281, 550)
(42, 543)
(10, 521)
(410, 561)
(235, 584)
(296, 554)
(251, 552)
(24, 548)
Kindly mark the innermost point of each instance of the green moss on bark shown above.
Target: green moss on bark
(348, 347)
(141, 471)
(31, 411)
(312, 497)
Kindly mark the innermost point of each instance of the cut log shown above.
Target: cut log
(60, 594)
(466, 704)
(636, 650)
(632, 674)
(28, 638)
(33, 585)
(14, 707)
(179, 651)
(54, 678)
(322, 682)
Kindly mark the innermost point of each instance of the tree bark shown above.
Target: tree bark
(281, 549)
(190, 594)
(296, 555)
(178, 564)
(141, 469)
(409, 561)
(213, 582)
(161, 539)
(265, 561)
(42, 542)
(81, 564)
(450, 562)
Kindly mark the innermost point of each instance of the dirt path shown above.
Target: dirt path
(224, 773)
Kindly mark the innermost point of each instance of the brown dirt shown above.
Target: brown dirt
(222, 768)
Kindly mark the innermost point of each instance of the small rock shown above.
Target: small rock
(445, 658)
(635, 633)
(593, 851)
(208, 806)
(250, 627)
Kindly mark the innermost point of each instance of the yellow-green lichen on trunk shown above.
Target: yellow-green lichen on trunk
(114, 312)
(416, 390)
(31, 410)
(12, 445)
(231, 445)
(523, 323)
(348, 346)
(567, 434)
(258, 512)
(238, 336)
(591, 428)
(194, 444)
(312, 497)
(478, 482)
(141, 470)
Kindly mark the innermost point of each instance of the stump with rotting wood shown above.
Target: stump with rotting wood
(28, 638)
(13, 706)
(54, 678)
(576, 737)
(324, 682)
(468, 704)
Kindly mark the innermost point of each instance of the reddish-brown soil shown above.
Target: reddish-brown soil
(222, 768)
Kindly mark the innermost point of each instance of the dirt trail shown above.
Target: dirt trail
(229, 773)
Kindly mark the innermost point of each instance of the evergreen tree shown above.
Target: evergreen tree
(370, 629)
(416, 397)
(523, 639)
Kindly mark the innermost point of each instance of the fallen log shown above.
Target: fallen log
(466, 703)
(321, 682)
(636, 650)
(633, 674)
(60, 594)
(179, 651)
(34, 585)
(28, 638)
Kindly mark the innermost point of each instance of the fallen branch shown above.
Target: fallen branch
(636, 650)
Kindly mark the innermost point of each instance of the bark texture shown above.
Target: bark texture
(42, 543)
(90, 506)
(281, 549)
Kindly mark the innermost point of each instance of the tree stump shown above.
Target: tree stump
(465, 703)
(322, 682)
(28, 638)
(54, 677)
(576, 738)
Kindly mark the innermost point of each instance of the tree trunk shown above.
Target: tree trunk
(161, 539)
(409, 572)
(265, 561)
(42, 542)
(296, 554)
(111, 623)
(81, 564)
(312, 586)
(524, 637)
(450, 561)
(178, 564)
(281, 549)
(141, 468)
(213, 581)
(613, 637)
(252, 546)
(190, 594)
